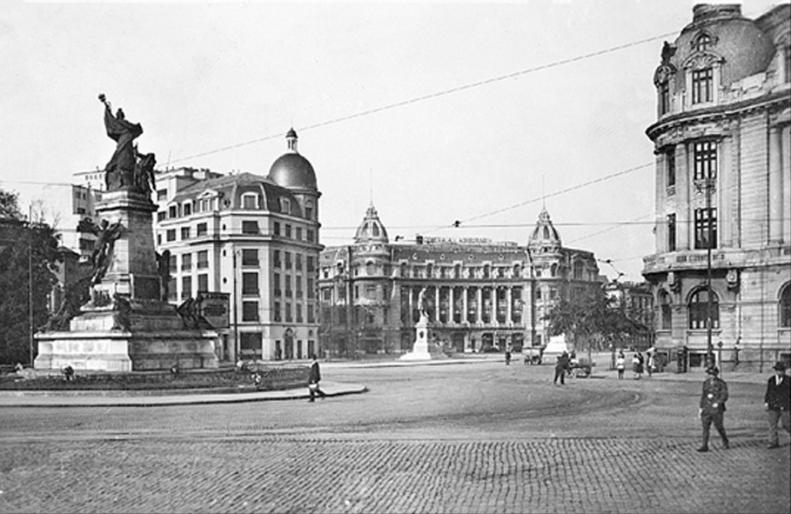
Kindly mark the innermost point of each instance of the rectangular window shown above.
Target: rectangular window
(309, 210)
(671, 232)
(670, 166)
(309, 235)
(185, 233)
(311, 291)
(187, 209)
(173, 263)
(171, 234)
(186, 287)
(161, 215)
(664, 97)
(186, 262)
(326, 294)
(203, 259)
(370, 291)
(201, 229)
(288, 312)
(249, 257)
(249, 283)
(161, 194)
(276, 313)
(249, 311)
(705, 222)
(159, 239)
(702, 85)
(288, 231)
(298, 261)
(276, 228)
(276, 284)
(705, 160)
(276, 258)
(249, 202)
(298, 283)
(287, 280)
(311, 266)
(288, 260)
(299, 312)
(172, 211)
(203, 283)
(249, 227)
(298, 231)
(250, 345)
(311, 318)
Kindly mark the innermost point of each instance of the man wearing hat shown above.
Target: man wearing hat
(778, 402)
(712, 406)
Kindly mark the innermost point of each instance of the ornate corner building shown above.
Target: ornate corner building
(254, 238)
(723, 185)
(481, 295)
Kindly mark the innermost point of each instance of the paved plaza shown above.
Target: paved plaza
(477, 437)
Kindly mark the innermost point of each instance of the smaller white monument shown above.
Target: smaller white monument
(420, 348)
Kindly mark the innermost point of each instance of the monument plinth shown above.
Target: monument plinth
(420, 347)
(127, 325)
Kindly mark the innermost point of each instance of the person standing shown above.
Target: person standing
(650, 364)
(313, 380)
(620, 364)
(637, 365)
(561, 367)
(508, 354)
(712, 407)
(777, 401)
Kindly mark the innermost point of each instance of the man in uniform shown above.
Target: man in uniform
(778, 403)
(712, 407)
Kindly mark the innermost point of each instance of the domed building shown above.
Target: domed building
(252, 242)
(481, 295)
(721, 273)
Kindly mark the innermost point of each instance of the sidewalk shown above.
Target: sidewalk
(147, 399)
(743, 377)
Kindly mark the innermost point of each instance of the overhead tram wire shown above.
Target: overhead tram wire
(431, 96)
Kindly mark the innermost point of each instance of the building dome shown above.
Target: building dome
(292, 170)
(371, 229)
(744, 48)
(544, 235)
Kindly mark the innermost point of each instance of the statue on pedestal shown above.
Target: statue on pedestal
(422, 303)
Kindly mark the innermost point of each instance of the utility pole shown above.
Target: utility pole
(709, 244)
(350, 347)
(236, 345)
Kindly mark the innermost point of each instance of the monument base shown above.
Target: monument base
(421, 350)
(150, 336)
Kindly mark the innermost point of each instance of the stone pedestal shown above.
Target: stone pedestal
(127, 326)
(420, 348)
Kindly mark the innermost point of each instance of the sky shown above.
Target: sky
(481, 112)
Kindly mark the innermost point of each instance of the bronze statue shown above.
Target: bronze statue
(143, 179)
(121, 169)
(105, 242)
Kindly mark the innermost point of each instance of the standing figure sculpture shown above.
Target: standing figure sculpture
(105, 242)
(120, 169)
(422, 303)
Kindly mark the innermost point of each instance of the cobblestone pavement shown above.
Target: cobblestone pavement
(452, 439)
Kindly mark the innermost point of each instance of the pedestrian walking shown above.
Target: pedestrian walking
(778, 403)
(712, 407)
(561, 367)
(620, 364)
(637, 365)
(508, 355)
(313, 380)
(650, 364)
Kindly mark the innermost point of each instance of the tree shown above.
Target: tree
(593, 320)
(27, 253)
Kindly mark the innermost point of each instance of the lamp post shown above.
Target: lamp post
(709, 186)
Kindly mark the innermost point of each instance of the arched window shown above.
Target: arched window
(370, 268)
(785, 306)
(703, 43)
(665, 306)
(698, 310)
(375, 229)
(546, 233)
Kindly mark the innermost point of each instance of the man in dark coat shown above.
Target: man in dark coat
(712, 407)
(778, 403)
(561, 367)
(313, 380)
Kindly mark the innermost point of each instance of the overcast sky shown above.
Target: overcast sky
(202, 77)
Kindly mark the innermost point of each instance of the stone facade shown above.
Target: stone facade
(480, 295)
(254, 238)
(723, 174)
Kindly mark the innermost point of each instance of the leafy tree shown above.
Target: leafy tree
(592, 320)
(27, 252)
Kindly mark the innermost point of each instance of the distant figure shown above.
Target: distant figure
(313, 380)
(712, 407)
(620, 364)
(508, 355)
(637, 365)
(422, 303)
(777, 401)
(561, 367)
(650, 364)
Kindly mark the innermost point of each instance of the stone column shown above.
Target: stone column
(509, 299)
(775, 187)
(725, 190)
(436, 303)
(479, 302)
(683, 184)
(785, 174)
(451, 306)
(411, 317)
(465, 305)
(495, 321)
(660, 194)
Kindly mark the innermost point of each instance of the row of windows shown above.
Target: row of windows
(249, 202)
(248, 228)
(705, 229)
(250, 285)
(251, 312)
(310, 265)
(251, 347)
(431, 271)
(202, 261)
(699, 310)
